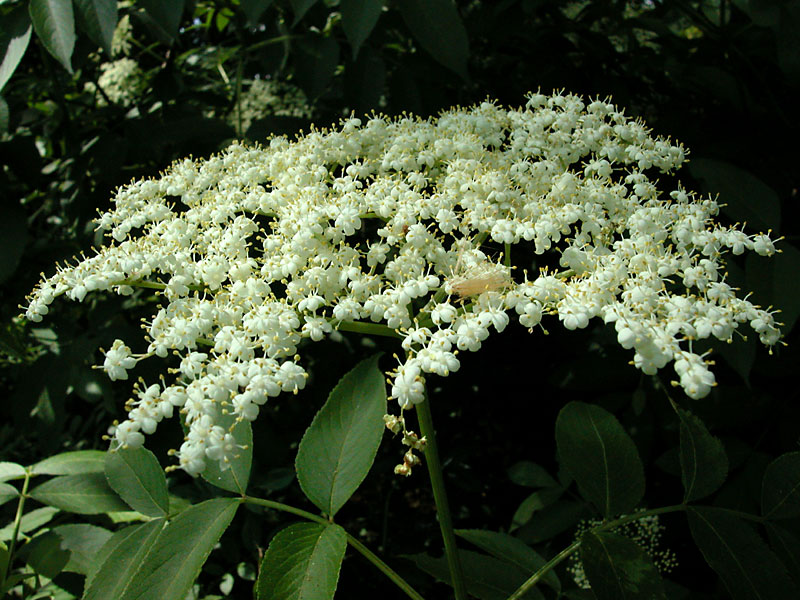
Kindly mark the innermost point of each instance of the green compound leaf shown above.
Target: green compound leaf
(98, 18)
(72, 463)
(780, 490)
(619, 569)
(15, 34)
(511, 550)
(236, 476)
(437, 26)
(253, 9)
(302, 563)
(358, 20)
(54, 23)
(485, 577)
(134, 473)
(117, 562)
(602, 458)
(86, 494)
(339, 446)
(747, 567)
(704, 465)
(181, 549)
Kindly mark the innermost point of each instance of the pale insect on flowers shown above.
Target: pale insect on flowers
(378, 226)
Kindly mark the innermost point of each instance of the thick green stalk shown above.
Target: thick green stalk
(354, 542)
(440, 497)
(17, 522)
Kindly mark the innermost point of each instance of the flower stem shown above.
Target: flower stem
(354, 542)
(440, 497)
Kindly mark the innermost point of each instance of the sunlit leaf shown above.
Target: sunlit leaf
(302, 563)
(88, 494)
(54, 23)
(339, 446)
(134, 473)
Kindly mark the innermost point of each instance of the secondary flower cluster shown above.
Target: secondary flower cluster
(381, 226)
(267, 98)
(122, 81)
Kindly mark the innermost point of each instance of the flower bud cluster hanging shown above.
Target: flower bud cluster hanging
(382, 224)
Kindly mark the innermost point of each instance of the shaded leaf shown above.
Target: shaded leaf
(787, 546)
(530, 474)
(118, 561)
(339, 446)
(485, 577)
(549, 522)
(618, 568)
(54, 23)
(300, 8)
(165, 13)
(437, 26)
(536, 501)
(601, 457)
(83, 541)
(99, 18)
(45, 555)
(704, 465)
(236, 476)
(302, 563)
(740, 557)
(316, 60)
(511, 550)
(745, 196)
(134, 473)
(72, 463)
(253, 9)
(780, 491)
(14, 233)
(358, 20)
(84, 494)
(15, 34)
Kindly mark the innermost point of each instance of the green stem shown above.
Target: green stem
(440, 497)
(17, 522)
(366, 328)
(544, 569)
(355, 543)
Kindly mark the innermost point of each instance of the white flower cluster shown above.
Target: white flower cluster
(646, 532)
(121, 41)
(122, 81)
(266, 98)
(380, 227)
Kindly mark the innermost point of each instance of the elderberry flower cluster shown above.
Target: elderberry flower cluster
(266, 98)
(380, 226)
(122, 81)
